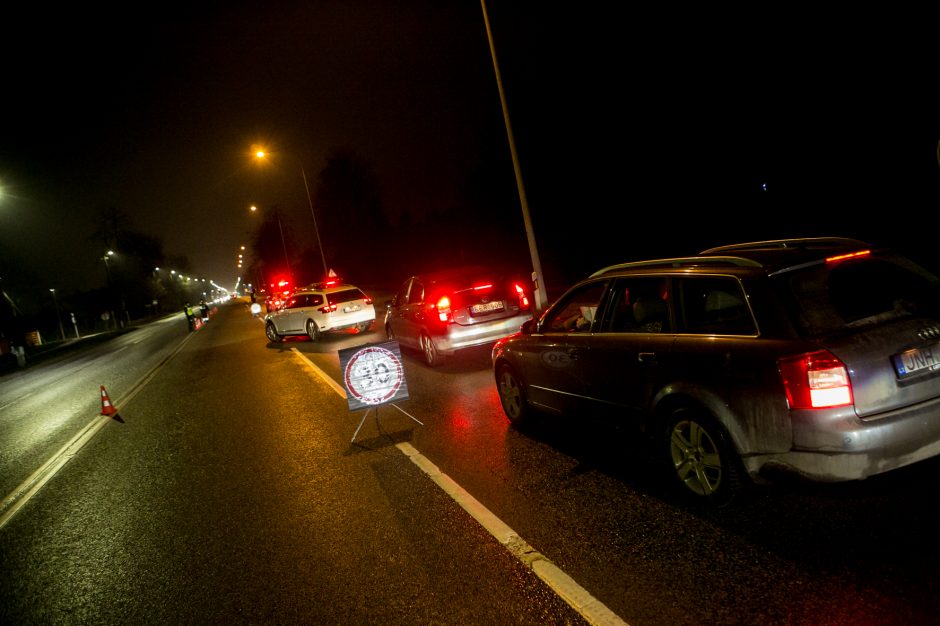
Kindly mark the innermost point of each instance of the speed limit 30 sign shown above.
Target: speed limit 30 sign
(373, 375)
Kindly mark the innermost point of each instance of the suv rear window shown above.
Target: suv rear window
(827, 297)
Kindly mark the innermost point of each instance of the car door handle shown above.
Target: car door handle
(646, 357)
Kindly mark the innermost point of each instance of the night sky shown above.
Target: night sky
(640, 133)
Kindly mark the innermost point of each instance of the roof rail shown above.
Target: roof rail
(804, 243)
(689, 261)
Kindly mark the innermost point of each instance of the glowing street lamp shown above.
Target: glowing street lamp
(107, 264)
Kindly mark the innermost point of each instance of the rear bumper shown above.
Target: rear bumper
(457, 337)
(844, 447)
(348, 320)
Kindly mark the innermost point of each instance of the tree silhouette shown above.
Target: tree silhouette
(132, 284)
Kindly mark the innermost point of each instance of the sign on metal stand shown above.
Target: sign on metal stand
(373, 375)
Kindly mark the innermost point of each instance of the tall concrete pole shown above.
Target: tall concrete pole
(541, 299)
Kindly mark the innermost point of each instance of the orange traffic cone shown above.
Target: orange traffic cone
(106, 407)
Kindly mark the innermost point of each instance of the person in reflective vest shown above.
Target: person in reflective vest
(190, 316)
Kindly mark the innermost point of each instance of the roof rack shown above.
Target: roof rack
(690, 261)
(805, 243)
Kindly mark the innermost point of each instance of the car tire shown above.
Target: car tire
(702, 462)
(512, 395)
(432, 357)
(313, 331)
(271, 332)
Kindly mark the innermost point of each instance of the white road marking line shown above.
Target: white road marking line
(577, 597)
(31, 486)
(326, 377)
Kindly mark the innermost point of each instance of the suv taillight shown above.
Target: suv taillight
(816, 380)
(327, 308)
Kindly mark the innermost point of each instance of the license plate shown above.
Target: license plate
(487, 307)
(350, 309)
(917, 360)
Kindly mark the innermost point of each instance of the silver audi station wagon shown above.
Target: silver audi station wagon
(818, 357)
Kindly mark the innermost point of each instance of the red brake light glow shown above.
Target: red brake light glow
(443, 309)
(816, 380)
(482, 287)
(851, 255)
(523, 299)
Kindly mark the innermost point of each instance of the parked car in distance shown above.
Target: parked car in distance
(815, 357)
(443, 312)
(274, 301)
(320, 308)
(277, 294)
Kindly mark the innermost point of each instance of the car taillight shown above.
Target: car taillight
(523, 299)
(367, 300)
(327, 308)
(816, 380)
(443, 309)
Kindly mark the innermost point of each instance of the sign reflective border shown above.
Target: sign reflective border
(373, 375)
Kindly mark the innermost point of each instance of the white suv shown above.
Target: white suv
(318, 309)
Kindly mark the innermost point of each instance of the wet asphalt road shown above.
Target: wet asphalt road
(230, 492)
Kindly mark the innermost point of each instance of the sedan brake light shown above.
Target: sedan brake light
(443, 309)
(816, 380)
(523, 299)
(327, 308)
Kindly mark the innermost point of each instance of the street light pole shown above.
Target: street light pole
(261, 155)
(316, 229)
(541, 299)
(283, 241)
(58, 315)
(107, 269)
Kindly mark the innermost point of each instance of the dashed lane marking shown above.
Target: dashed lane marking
(577, 597)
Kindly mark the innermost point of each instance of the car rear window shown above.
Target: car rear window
(347, 295)
(829, 297)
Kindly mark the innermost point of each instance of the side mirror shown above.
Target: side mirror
(529, 326)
